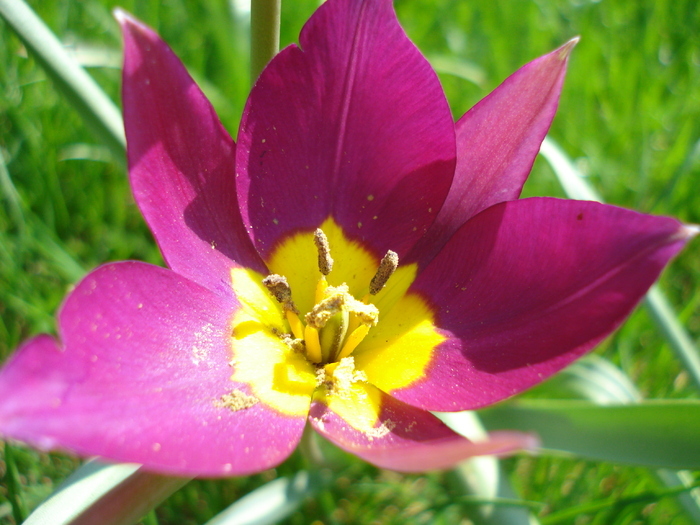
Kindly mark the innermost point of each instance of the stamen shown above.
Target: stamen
(387, 267)
(323, 311)
(280, 290)
(353, 323)
(321, 287)
(295, 344)
(364, 313)
(313, 345)
(295, 324)
(354, 339)
(325, 261)
(338, 323)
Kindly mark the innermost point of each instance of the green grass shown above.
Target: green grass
(630, 115)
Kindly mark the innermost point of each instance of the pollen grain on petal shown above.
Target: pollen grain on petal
(236, 400)
(344, 375)
(384, 428)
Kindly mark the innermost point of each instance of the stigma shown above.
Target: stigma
(338, 322)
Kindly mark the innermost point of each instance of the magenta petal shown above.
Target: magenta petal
(526, 287)
(140, 377)
(408, 439)
(181, 163)
(497, 142)
(355, 126)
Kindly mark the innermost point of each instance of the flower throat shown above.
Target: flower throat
(338, 322)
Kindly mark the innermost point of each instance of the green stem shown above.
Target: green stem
(264, 34)
(19, 511)
(310, 450)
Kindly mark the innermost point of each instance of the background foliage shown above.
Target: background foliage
(630, 115)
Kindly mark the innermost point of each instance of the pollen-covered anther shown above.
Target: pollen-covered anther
(325, 261)
(367, 314)
(331, 305)
(387, 267)
(295, 344)
(280, 290)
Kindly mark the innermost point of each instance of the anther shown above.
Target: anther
(325, 261)
(387, 267)
(280, 290)
(323, 311)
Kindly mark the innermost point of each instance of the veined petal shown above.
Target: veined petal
(354, 125)
(526, 287)
(144, 376)
(397, 436)
(181, 163)
(497, 142)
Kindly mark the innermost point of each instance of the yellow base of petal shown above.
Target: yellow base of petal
(391, 355)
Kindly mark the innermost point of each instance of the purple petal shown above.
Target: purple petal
(354, 126)
(181, 163)
(526, 287)
(408, 439)
(497, 142)
(143, 376)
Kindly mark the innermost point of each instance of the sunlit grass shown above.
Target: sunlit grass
(630, 115)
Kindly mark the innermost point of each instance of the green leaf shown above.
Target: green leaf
(596, 379)
(615, 504)
(659, 433)
(484, 477)
(106, 494)
(592, 378)
(273, 501)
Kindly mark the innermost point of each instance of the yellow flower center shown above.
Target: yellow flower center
(338, 322)
(328, 326)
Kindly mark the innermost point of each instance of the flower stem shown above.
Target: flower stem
(264, 34)
(310, 449)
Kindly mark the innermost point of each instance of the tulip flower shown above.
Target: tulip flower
(355, 260)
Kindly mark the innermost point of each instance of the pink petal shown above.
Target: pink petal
(355, 126)
(497, 142)
(140, 378)
(526, 287)
(408, 439)
(181, 163)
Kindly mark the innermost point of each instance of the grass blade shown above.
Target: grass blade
(273, 501)
(96, 108)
